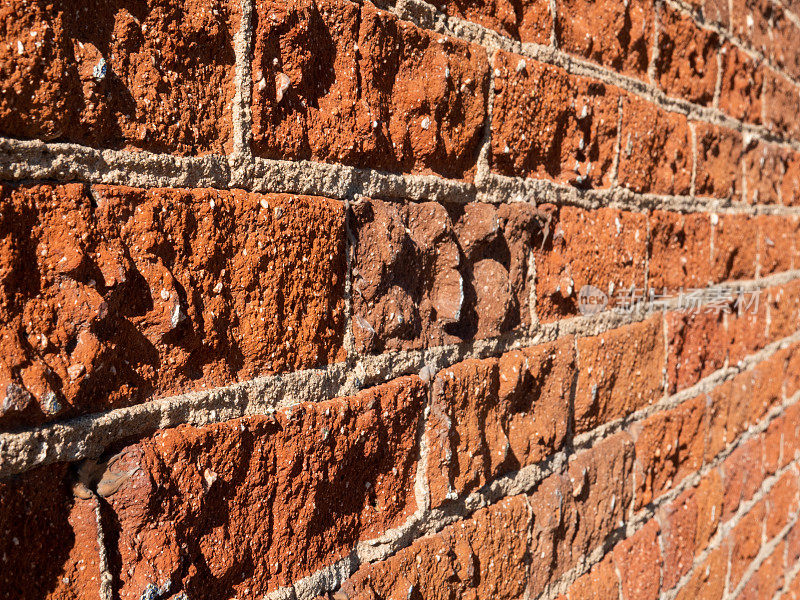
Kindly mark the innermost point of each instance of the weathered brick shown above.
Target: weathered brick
(719, 169)
(783, 303)
(678, 522)
(742, 475)
(620, 371)
(734, 253)
(638, 561)
(428, 274)
(601, 583)
(697, 346)
(679, 250)
(741, 80)
(745, 541)
(48, 541)
(656, 149)
(113, 295)
(602, 491)
(669, 446)
(777, 246)
(707, 582)
(785, 42)
(780, 99)
(526, 20)
(485, 556)
(686, 62)
(605, 248)
(782, 503)
(617, 35)
(767, 581)
(338, 81)
(750, 23)
(550, 124)
(790, 184)
(225, 504)
(489, 417)
(764, 166)
(158, 77)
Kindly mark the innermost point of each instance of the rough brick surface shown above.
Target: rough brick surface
(617, 35)
(340, 82)
(428, 274)
(324, 476)
(400, 300)
(157, 76)
(111, 295)
(549, 124)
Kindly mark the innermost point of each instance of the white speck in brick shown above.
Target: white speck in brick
(282, 83)
(164, 294)
(76, 370)
(218, 288)
(521, 66)
(99, 70)
(426, 122)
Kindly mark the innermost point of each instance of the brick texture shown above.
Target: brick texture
(400, 300)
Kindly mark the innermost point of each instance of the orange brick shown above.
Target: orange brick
(605, 249)
(309, 482)
(159, 78)
(638, 561)
(552, 125)
(686, 63)
(656, 149)
(707, 582)
(619, 372)
(680, 251)
(745, 541)
(669, 447)
(719, 170)
(114, 297)
(740, 84)
(617, 35)
(485, 556)
(601, 583)
(364, 89)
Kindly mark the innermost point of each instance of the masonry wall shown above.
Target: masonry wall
(320, 299)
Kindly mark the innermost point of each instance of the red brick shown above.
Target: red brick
(714, 11)
(535, 386)
(485, 556)
(679, 250)
(719, 169)
(780, 100)
(750, 23)
(777, 245)
(638, 561)
(113, 296)
(364, 89)
(223, 505)
(678, 521)
(764, 166)
(686, 63)
(734, 251)
(601, 488)
(428, 274)
(489, 417)
(48, 538)
(620, 372)
(164, 74)
(697, 346)
(554, 523)
(782, 503)
(708, 494)
(669, 447)
(601, 583)
(528, 20)
(605, 248)
(745, 542)
(656, 149)
(793, 550)
(740, 84)
(768, 579)
(790, 184)
(553, 125)
(743, 473)
(617, 35)
(785, 41)
(783, 303)
(707, 582)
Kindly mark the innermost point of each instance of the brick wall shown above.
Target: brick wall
(325, 299)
